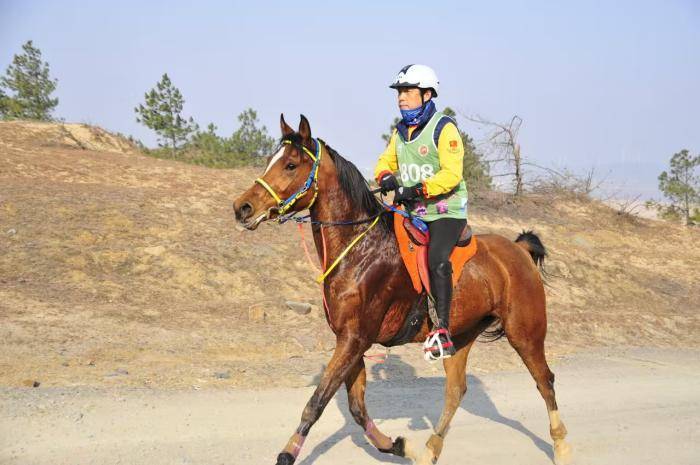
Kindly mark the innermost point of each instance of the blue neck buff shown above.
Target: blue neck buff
(418, 115)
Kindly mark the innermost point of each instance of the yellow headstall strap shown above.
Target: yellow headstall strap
(269, 190)
(313, 199)
(345, 252)
(308, 152)
(287, 204)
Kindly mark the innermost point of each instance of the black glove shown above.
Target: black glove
(388, 183)
(406, 194)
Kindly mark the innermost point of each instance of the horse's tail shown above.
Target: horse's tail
(494, 331)
(529, 241)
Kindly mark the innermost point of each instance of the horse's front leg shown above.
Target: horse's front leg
(356, 383)
(349, 349)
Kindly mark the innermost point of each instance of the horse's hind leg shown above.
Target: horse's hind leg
(526, 335)
(356, 383)
(455, 388)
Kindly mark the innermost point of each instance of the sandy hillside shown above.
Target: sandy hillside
(118, 269)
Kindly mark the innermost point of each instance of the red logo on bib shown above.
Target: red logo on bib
(423, 150)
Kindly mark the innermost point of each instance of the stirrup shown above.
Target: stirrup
(434, 344)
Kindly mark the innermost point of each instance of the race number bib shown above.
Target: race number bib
(415, 173)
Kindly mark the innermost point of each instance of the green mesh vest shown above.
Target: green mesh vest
(419, 160)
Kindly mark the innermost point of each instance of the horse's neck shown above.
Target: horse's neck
(333, 206)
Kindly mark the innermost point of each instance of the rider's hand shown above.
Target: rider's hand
(388, 183)
(406, 194)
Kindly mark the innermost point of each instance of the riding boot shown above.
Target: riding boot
(441, 287)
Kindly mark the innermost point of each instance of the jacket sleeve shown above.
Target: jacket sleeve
(388, 162)
(451, 156)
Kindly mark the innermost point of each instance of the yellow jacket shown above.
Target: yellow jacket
(450, 174)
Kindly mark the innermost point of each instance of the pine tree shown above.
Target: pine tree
(681, 186)
(27, 77)
(162, 113)
(3, 103)
(387, 136)
(249, 139)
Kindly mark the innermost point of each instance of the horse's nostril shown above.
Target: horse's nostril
(244, 211)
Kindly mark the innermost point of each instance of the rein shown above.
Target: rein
(307, 219)
(345, 251)
(374, 219)
(285, 205)
(326, 271)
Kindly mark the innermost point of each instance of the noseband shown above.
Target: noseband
(283, 206)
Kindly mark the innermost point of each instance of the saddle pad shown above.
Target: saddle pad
(415, 257)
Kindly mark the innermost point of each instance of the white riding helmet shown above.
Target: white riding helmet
(420, 76)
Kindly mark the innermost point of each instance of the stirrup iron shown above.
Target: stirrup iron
(433, 343)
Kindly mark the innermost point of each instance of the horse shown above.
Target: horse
(369, 293)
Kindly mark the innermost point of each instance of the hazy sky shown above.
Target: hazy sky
(613, 85)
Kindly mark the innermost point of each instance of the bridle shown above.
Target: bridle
(283, 206)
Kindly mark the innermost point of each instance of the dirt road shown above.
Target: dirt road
(635, 406)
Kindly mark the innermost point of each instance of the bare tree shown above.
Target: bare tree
(629, 208)
(502, 145)
(565, 181)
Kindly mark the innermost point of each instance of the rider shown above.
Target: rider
(427, 151)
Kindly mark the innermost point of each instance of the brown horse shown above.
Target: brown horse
(369, 294)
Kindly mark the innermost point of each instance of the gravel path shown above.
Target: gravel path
(632, 406)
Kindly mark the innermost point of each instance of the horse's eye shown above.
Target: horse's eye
(291, 167)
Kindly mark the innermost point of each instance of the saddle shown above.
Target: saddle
(413, 245)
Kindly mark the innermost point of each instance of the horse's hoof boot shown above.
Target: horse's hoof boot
(285, 458)
(397, 448)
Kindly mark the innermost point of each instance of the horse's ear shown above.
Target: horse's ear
(286, 130)
(304, 128)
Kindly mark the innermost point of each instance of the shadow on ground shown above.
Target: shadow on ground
(383, 404)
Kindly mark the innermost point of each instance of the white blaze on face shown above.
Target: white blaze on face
(274, 159)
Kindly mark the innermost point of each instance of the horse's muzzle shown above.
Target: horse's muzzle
(245, 215)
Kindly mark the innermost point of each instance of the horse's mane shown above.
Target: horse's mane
(355, 186)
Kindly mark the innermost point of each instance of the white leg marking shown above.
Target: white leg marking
(562, 449)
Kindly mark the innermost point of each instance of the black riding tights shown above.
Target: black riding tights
(444, 234)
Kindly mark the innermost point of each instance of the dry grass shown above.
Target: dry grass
(109, 259)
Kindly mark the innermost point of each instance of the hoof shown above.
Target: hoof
(285, 458)
(409, 451)
(427, 457)
(397, 448)
(562, 453)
